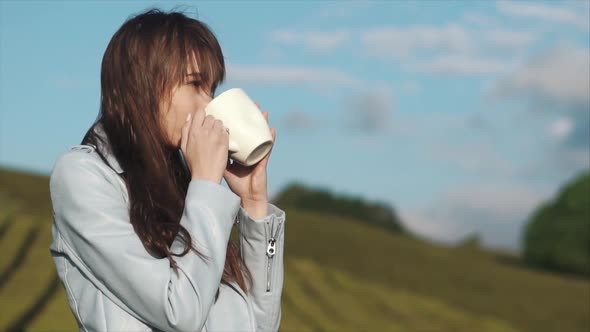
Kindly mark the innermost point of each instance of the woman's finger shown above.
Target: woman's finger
(209, 122)
(184, 133)
(265, 114)
(257, 104)
(218, 125)
(198, 119)
(264, 162)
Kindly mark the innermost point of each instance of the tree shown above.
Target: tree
(558, 234)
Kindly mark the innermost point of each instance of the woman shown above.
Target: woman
(141, 238)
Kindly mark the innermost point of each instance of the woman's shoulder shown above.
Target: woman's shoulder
(80, 165)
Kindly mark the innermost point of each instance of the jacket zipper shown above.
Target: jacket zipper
(270, 252)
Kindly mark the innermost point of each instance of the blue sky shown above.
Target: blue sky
(462, 115)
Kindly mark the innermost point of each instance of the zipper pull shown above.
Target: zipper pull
(270, 249)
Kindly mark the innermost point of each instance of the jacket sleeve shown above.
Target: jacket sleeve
(267, 269)
(91, 214)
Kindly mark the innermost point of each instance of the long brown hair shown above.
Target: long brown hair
(144, 60)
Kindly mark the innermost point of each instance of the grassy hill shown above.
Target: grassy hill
(341, 275)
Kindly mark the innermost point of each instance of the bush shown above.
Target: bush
(558, 235)
(299, 196)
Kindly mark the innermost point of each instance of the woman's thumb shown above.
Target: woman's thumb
(184, 133)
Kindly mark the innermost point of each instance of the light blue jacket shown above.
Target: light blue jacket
(114, 284)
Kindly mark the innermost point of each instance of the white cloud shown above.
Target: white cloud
(316, 41)
(298, 120)
(449, 49)
(562, 73)
(410, 88)
(400, 43)
(479, 19)
(541, 11)
(432, 227)
(291, 75)
(577, 160)
(473, 158)
(370, 112)
(561, 128)
(464, 65)
(453, 38)
(344, 9)
(510, 39)
(496, 212)
(556, 85)
(505, 202)
(557, 165)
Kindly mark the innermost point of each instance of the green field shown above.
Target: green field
(340, 275)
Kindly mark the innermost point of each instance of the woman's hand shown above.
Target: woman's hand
(250, 182)
(204, 143)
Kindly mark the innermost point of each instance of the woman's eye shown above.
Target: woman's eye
(197, 84)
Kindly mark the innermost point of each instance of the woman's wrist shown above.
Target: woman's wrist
(210, 178)
(255, 209)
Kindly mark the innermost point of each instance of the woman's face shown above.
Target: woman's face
(188, 97)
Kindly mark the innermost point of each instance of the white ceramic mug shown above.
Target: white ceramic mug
(250, 138)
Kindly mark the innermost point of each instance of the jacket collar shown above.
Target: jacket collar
(104, 148)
